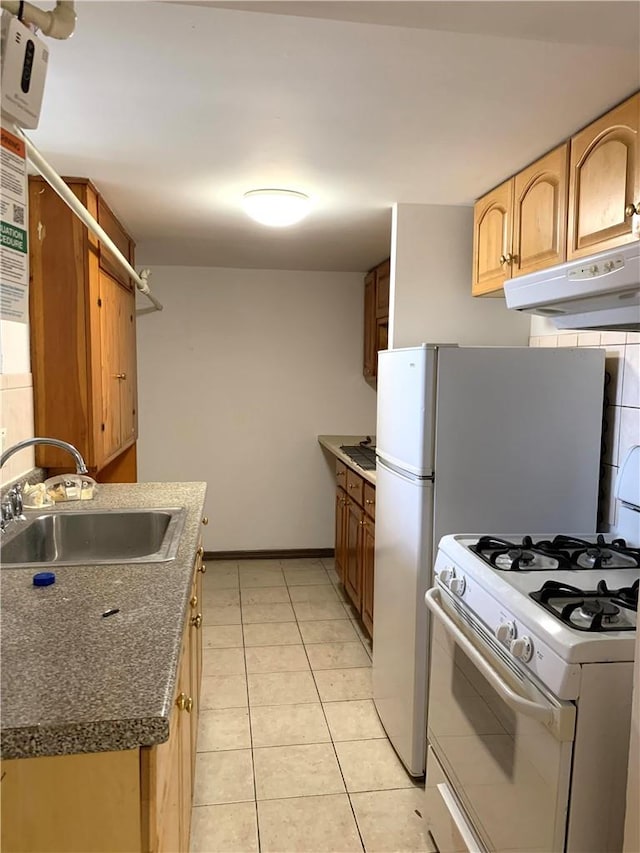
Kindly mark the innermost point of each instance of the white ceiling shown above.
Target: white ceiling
(176, 109)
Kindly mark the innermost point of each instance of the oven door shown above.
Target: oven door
(503, 745)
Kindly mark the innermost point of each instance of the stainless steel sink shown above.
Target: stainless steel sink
(93, 537)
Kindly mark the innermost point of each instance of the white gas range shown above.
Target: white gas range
(530, 692)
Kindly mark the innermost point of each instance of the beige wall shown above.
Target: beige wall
(16, 396)
(431, 248)
(238, 376)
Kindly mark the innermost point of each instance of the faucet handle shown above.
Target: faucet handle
(17, 502)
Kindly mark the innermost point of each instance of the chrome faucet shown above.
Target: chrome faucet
(11, 506)
(81, 468)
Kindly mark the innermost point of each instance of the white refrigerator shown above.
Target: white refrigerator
(476, 440)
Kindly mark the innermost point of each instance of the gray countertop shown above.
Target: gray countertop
(73, 681)
(332, 444)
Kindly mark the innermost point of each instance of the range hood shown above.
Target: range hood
(600, 292)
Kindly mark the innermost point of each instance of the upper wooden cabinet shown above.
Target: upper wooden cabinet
(376, 318)
(540, 214)
(583, 197)
(605, 181)
(83, 332)
(492, 226)
(520, 226)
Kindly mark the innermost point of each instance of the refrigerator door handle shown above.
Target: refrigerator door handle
(402, 472)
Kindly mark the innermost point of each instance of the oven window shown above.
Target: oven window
(509, 772)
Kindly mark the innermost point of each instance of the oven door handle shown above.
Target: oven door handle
(542, 713)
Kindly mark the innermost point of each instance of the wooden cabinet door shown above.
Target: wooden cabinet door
(186, 770)
(369, 357)
(353, 568)
(128, 367)
(368, 541)
(383, 278)
(604, 180)
(168, 812)
(118, 363)
(110, 346)
(195, 655)
(540, 213)
(122, 240)
(492, 224)
(341, 533)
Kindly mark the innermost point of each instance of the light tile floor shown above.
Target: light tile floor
(291, 755)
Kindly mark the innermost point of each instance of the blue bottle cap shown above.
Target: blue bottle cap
(44, 579)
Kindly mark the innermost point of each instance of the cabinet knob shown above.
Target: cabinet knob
(205, 521)
(353, 485)
(121, 375)
(200, 551)
(508, 259)
(202, 568)
(193, 601)
(369, 502)
(196, 621)
(181, 701)
(362, 523)
(632, 209)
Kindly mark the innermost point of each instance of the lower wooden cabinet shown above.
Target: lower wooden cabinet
(129, 801)
(368, 543)
(341, 532)
(353, 574)
(355, 537)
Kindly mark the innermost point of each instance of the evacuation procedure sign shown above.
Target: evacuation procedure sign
(14, 257)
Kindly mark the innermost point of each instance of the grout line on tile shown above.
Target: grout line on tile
(335, 752)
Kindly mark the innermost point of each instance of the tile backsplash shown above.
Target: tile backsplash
(621, 416)
(16, 417)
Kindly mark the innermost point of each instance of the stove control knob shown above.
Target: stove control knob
(506, 632)
(522, 648)
(446, 576)
(457, 585)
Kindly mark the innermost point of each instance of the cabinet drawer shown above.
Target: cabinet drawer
(355, 486)
(341, 474)
(370, 499)
(122, 240)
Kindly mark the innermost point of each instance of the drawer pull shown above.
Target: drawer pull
(196, 621)
(184, 703)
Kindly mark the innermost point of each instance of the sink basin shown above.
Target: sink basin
(93, 537)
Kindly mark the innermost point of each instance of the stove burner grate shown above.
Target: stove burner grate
(514, 557)
(561, 552)
(600, 608)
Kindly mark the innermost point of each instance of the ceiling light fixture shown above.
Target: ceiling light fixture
(276, 208)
